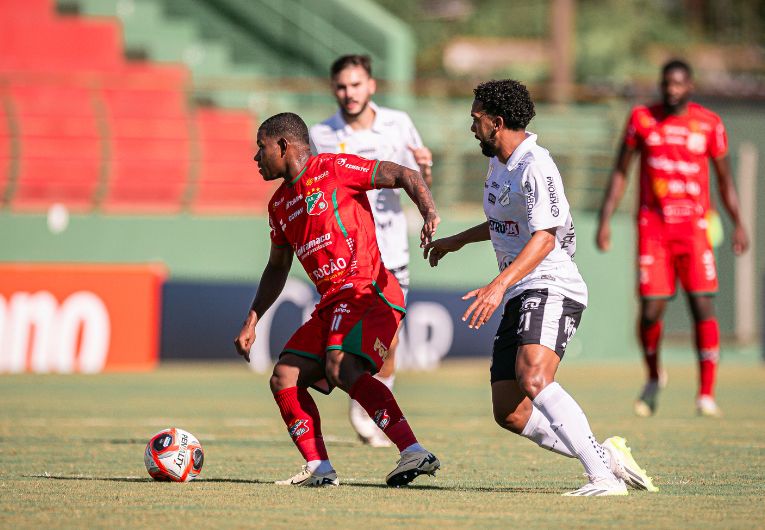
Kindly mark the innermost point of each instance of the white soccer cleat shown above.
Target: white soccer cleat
(600, 487)
(645, 405)
(623, 465)
(706, 406)
(369, 433)
(308, 479)
(411, 465)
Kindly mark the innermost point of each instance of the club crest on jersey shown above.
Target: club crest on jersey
(316, 203)
(299, 428)
(382, 419)
(504, 195)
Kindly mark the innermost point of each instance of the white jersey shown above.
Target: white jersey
(388, 139)
(521, 197)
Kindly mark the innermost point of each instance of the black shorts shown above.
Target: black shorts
(533, 317)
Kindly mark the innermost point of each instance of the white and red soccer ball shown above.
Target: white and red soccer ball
(174, 455)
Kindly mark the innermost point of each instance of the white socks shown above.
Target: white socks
(538, 430)
(568, 422)
(319, 466)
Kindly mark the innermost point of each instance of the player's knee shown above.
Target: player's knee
(281, 378)
(532, 383)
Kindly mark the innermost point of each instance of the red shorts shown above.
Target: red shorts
(670, 251)
(361, 323)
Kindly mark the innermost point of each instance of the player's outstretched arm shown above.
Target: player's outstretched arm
(270, 287)
(616, 186)
(730, 201)
(392, 175)
(435, 250)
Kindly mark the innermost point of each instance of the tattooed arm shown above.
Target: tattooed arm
(391, 175)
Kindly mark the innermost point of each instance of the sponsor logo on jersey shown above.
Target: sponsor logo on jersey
(328, 269)
(294, 200)
(342, 308)
(278, 202)
(317, 178)
(531, 303)
(553, 193)
(492, 198)
(382, 419)
(653, 139)
(569, 239)
(548, 277)
(346, 286)
(494, 185)
(298, 429)
(295, 214)
(662, 163)
(342, 161)
(530, 200)
(314, 245)
(508, 228)
(316, 202)
(381, 349)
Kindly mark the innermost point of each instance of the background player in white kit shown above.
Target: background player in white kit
(531, 229)
(362, 128)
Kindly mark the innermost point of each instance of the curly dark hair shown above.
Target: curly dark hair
(506, 98)
(677, 64)
(286, 124)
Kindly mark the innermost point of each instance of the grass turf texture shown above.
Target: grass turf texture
(71, 454)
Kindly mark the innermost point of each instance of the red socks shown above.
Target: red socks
(381, 406)
(301, 415)
(650, 335)
(708, 347)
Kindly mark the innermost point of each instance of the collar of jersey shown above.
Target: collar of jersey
(300, 174)
(523, 148)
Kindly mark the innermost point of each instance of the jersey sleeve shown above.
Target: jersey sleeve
(718, 143)
(277, 234)
(631, 135)
(355, 172)
(546, 203)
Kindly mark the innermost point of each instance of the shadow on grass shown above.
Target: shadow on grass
(415, 487)
(213, 442)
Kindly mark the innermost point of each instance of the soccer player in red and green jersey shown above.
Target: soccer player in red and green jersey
(676, 139)
(321, 214)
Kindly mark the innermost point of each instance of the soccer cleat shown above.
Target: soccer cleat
(645, 405)
(411, 465)
(623, 465)
(308, 479)
(369, 433)
(600, 487)
(706, 406)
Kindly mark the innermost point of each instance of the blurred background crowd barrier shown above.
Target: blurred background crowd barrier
(127, 130)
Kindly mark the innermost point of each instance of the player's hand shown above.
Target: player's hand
(603, 237)
(422, 155)
(429, 229)
(740, 240)
(435, 250)
(487, 300)
(246, 337)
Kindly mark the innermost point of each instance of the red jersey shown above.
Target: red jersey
(674, 153)
(325, 216)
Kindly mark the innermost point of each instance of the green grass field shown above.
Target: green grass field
(71, 454)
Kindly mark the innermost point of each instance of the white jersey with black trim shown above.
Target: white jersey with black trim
(388, 139)
(521, 197)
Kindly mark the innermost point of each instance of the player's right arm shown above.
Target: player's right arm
(435, 250)
(270, 287)
(616, 186)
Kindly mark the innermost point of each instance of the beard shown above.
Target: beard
(487, 149)
(364, 106)
(672, 106)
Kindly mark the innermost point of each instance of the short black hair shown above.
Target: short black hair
(677, 64)
(341, 63)
(506, 98)
(286, 124)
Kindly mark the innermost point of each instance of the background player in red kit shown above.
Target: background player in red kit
(322, 215)
(675, 138)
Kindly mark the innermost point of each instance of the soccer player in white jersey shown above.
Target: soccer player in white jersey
(529, 224)
(362, 128)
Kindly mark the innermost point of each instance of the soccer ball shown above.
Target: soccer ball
(174, 455)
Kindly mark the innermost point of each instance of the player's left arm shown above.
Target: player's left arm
(392, 175)
(488, 298)
(730, 201)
